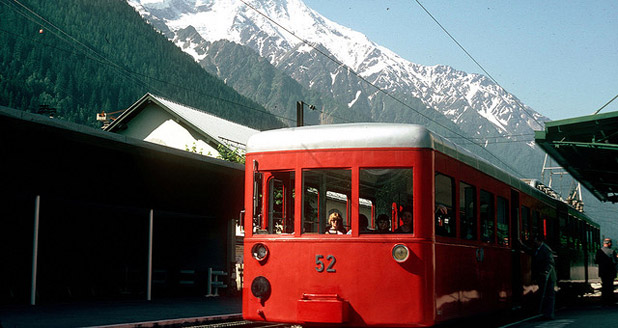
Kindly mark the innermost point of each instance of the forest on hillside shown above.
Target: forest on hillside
(81, 57)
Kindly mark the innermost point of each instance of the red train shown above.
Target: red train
(456, 258)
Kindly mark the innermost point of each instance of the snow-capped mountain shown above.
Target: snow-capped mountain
(275, 30)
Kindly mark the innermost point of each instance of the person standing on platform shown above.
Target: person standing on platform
(544, 269)
(606, 259)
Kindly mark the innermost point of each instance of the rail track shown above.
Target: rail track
(244, 324)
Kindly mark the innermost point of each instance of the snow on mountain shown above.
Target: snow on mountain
(469, 100)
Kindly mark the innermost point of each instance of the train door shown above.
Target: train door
(487, 255)
(517, 283)
(472, 253)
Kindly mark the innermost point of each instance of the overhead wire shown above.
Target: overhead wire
(609, 102)
(339, 63)
(487, 73)
(499, 137)
(477, 63)
(61, 34)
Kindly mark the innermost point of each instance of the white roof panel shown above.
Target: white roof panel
(354, 135)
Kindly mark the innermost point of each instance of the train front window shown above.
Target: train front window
(385, 197)
(279, 204)
(326, 192)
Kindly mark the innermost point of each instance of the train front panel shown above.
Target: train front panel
(335, 281)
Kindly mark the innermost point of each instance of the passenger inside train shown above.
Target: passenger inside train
(383, 224)
(336, 224)
(406, 218)
(444, 201)
(443, 221)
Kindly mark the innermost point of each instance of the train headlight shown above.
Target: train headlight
(400, 253)
(260, 288)
(259, 252)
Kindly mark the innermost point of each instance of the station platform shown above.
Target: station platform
(123, 314)
(586, 313)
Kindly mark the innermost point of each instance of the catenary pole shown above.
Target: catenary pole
(35, 249)
(149, 279)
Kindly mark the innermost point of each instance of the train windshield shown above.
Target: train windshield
(326, 201)
(384, 201)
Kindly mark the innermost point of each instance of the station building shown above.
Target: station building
(86, 214)
(158, 120)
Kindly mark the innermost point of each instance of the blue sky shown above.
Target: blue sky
(558, 57)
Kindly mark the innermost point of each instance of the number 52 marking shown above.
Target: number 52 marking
(320, 264)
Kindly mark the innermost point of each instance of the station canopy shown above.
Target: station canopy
(587, 148)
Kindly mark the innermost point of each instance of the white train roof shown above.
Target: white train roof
(369, 135)
(353, 135)
(375, 135)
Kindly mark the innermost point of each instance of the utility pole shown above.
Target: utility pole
(300, 116)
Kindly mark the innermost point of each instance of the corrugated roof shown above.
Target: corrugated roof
(223, 131)
(587, 147)
(226, 132)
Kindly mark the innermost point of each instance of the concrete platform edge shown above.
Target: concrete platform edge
(170, 322)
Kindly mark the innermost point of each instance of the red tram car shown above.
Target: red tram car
(458, 258)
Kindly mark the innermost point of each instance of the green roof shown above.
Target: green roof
(587, 147)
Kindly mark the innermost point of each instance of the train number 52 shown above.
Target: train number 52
(320, 265)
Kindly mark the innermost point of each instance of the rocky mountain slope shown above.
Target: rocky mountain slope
(348, 77)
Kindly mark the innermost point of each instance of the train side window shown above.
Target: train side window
(383, 191)
(487, 217)
(503, 221)
(258, 225)
(445, 199)
(535, 224)
(277, 202)
(467, 210)
(325, 191)
(525, 223)
(562, 226)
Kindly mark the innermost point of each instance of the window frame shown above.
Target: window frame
(441, 229)
(503, 211)
(263, 204)
(491, 217)
(475, 211)
(395, 204)
(320, 225)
